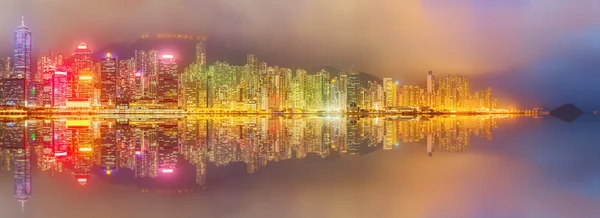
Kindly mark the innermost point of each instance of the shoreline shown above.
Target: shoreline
(185, 113)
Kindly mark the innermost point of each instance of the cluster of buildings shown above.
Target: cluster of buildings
(155, 81)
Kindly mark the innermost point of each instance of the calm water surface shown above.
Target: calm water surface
(477, 166)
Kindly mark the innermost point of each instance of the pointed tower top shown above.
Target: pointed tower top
(22, 20)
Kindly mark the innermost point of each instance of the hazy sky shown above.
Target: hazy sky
(544, 51)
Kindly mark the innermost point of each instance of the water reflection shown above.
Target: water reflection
(144, 150)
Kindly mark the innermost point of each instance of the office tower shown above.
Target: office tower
(125, 83)
(14, 94)
(390, 92)
(152, 74)
(108, 85)
(22, 52)
(83, 63)
(168, 81)
(86, 85)
(430, 83)
(5, 67)
(343, 91)
(15, 89)
(201, 54)
(141, 72)
(354, 89)
(60, 83)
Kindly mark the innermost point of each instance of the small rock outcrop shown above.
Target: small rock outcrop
(567, 112)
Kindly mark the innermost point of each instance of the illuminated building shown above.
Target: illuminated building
(34, 94)
(14, 92)
(58, 86)
(86, 85)
(125, 83)
(108, 77)
(5, 68)
(411, 96)
(168, 81)
(201, 54)
(83, 62)
(390, 92)
(430, 83)
(353, 90)
(141, 73)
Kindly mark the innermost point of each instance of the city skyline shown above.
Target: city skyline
(152, 80)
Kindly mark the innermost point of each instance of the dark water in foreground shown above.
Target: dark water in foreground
(476, 166)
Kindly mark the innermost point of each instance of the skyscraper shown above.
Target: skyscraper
(201, 54)
(430, 83)
(168, 81)
(15, 92)
(22, 52)
(353, 89)
(108, 77)
(83, 63)
(389, 92)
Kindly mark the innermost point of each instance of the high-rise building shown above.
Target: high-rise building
(353, 89)
(22, 52)
(168, 81)
(60, 83)
(83, 63)
(108, 85)
(201, 54)
(15, 91)
(430, 83)
(390, 92)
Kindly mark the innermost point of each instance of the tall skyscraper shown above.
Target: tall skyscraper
(201, 54)
(15, 93)
(168, 81)
(108, 84)
(353, 89)
(430, 83)
(389, 92)
(22, 52)
(83, 63)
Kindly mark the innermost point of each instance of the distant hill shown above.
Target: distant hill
(567, 112)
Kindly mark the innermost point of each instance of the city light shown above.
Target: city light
(167, 170)
(166, 56)
(82, 181)
(85, 77)
(60, 73)
(82, 46)
(85, 149)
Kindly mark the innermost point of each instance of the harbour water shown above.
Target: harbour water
(299, 166)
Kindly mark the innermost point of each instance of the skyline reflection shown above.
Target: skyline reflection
(177, 155)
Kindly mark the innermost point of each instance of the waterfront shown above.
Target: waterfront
(275, 166)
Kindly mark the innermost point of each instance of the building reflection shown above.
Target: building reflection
(155, 152)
